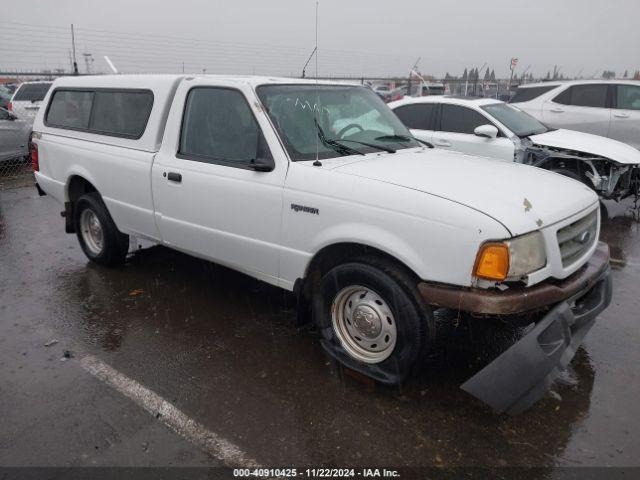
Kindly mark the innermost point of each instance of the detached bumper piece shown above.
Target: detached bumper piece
(521, 375)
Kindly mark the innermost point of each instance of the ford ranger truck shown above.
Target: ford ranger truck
(319, 189)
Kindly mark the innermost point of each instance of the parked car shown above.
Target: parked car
(432, 88)
(27, 98)
(423, 89)
(494, 129)
(610, 108)
(5, 97)
(14, 136)
(388, 94)
(370, 228)
(11, 87)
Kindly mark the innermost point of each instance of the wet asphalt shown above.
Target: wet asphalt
(226, 350)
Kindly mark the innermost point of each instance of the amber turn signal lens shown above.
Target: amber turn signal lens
(492, 262)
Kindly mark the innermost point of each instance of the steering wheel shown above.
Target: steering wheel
(344, 130)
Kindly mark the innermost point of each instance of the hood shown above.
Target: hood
(588, 143)
(520, 197)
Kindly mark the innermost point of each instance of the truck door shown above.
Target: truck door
(217, 187)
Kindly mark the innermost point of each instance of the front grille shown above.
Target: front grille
(576, 238)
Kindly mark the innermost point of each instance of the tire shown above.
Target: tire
(98, 235)
(372, 319)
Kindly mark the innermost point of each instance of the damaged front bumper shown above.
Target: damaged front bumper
(520, 376)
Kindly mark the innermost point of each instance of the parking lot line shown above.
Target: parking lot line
(185, 426)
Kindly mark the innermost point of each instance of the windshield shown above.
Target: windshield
(325, 118)
(520, 123)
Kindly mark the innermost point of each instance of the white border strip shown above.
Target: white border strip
(172, 417)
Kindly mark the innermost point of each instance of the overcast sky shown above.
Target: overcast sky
(355, 36)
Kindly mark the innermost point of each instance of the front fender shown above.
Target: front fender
(370, 236)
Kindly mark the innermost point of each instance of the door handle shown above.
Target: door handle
(174, 177)
(557, 110)
(442, 143)
(621, 115)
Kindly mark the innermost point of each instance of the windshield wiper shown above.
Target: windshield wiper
(372, 145)
(403, 138)
(342, 149)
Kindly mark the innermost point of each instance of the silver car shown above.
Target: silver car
(14, 136)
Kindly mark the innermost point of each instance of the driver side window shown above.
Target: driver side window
(219, 127)
(457, 119)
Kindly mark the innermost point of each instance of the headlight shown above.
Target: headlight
(526, 254)
(511, 259)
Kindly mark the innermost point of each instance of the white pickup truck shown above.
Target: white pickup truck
(319, 189)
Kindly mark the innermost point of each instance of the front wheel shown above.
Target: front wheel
(372, 320)
(98, 235)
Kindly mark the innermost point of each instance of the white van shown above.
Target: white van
(318, 188)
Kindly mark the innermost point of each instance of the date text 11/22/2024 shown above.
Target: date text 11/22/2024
(316, 472)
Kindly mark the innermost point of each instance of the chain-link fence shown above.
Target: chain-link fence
(16, 121)
(15, 167)
(17, 111)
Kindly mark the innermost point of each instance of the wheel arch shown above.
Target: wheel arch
(77, 185)
(337, 253)
(575, 164)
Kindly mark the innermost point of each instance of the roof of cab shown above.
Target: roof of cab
(149, 81)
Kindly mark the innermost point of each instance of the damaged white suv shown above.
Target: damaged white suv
(490, 128)
(320, 189)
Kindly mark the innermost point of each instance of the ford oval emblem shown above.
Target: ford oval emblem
(584, 237)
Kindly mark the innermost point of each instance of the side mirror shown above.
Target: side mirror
(261, 165)
(263, 162)
(486, 131)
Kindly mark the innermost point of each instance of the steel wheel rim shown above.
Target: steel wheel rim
(364, 324)
(92, 232)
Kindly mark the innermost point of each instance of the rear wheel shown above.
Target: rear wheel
(372, 320)
(98, 235)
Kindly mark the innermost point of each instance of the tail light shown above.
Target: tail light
(10, 106)
(33, 152)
